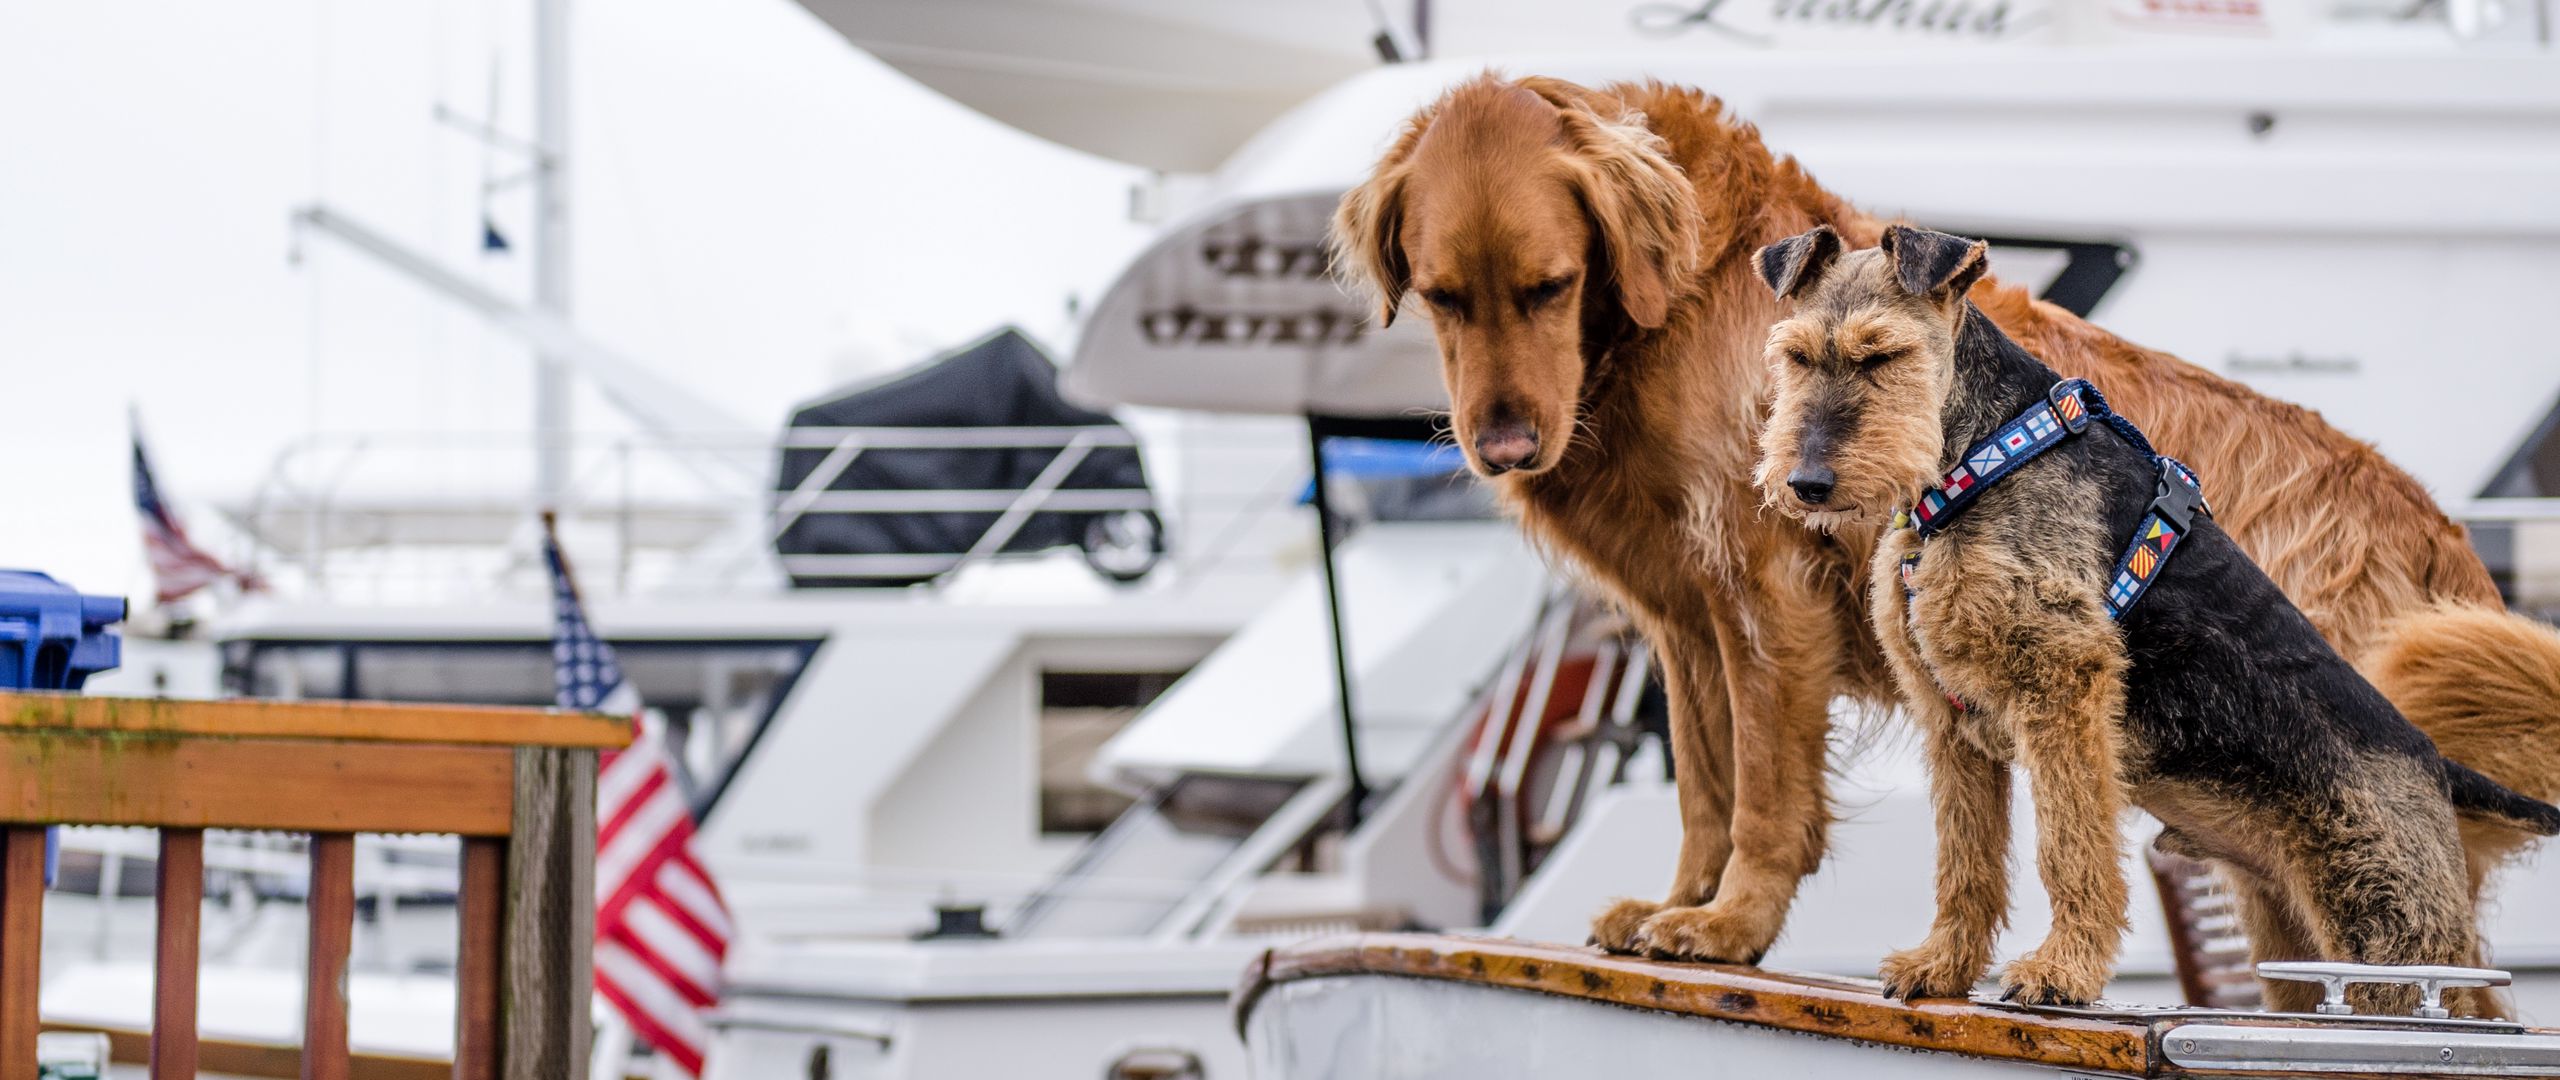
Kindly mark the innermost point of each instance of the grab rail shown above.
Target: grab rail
(332, 510)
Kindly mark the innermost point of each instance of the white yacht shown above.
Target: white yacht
(2217, 190)
(1144, 787)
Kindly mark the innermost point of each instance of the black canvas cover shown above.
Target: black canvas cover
(1003, 381)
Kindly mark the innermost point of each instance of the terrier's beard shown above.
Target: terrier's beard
(1833, 520)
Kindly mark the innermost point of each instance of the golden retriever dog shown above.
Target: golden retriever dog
(1585, 259)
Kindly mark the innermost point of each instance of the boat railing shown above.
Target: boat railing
(1014, 508)
(1540, 755)
(1556, 722)
(396, 516)
(517, 785)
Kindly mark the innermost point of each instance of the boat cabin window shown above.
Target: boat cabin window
(1079, 711)
(2523, 550)
(1149, 863)
(715, 697)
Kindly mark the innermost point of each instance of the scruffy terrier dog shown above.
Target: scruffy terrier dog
(2062, 599)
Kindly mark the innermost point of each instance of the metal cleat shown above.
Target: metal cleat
(2334, 979)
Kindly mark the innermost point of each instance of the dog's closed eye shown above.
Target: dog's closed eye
(1537, 296)
(1449, 303)
(1877, 359)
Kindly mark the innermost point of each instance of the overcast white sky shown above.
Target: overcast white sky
(762, 212)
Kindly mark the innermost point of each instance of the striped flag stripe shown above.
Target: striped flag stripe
(682, 882)
(627, 805)
(670, 950)
(620, 857)
(170, 555)
(647, 1029)
(672, 982)
(712, 945)
(657, 1012)
(716, 941)
(619, 775)
(643, 876)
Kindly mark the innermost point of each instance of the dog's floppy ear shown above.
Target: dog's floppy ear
(1795, 263)
(1934, 264)
(1641, 207)
(1368, 227)
(1368, 245)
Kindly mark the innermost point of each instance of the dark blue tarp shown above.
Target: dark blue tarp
(1004, 381)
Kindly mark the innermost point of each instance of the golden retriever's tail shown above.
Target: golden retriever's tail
(2484, 683)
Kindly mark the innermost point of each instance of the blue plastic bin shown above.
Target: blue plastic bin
(53, 638)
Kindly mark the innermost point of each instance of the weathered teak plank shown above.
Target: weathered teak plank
(21, 947)
(361, 721)
(181, 906)
(332, 910)
(293, 785)
(549, 944)
(481, 909)
(1822, 1006)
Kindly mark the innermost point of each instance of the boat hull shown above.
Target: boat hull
(1357, 1028)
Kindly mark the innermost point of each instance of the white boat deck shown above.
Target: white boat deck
(1420, 1006)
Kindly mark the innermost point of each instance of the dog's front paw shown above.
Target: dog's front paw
(1616, 929)
(1717, 932)
(2038, 979)
(1931, 970)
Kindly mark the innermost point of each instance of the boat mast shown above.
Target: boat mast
(551, 387)
(561, 353)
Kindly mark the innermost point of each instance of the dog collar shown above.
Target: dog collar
(2066, 411)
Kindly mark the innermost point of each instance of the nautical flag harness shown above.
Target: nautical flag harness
(2066, 411)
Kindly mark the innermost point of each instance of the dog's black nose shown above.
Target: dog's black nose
(1812, 483)
(1506, 446)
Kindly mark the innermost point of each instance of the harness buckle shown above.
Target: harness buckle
(2180, 496)
(2068, 405)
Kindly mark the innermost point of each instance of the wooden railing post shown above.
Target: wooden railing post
(181, 907)
(331, 905)
(21, 947)
(481, 908)
(551, 915)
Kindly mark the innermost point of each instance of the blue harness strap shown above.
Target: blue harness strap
(2066, 411)
(2173, 509)
(2042, 427)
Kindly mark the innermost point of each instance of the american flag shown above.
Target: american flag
(661, 928)
(178, 567)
